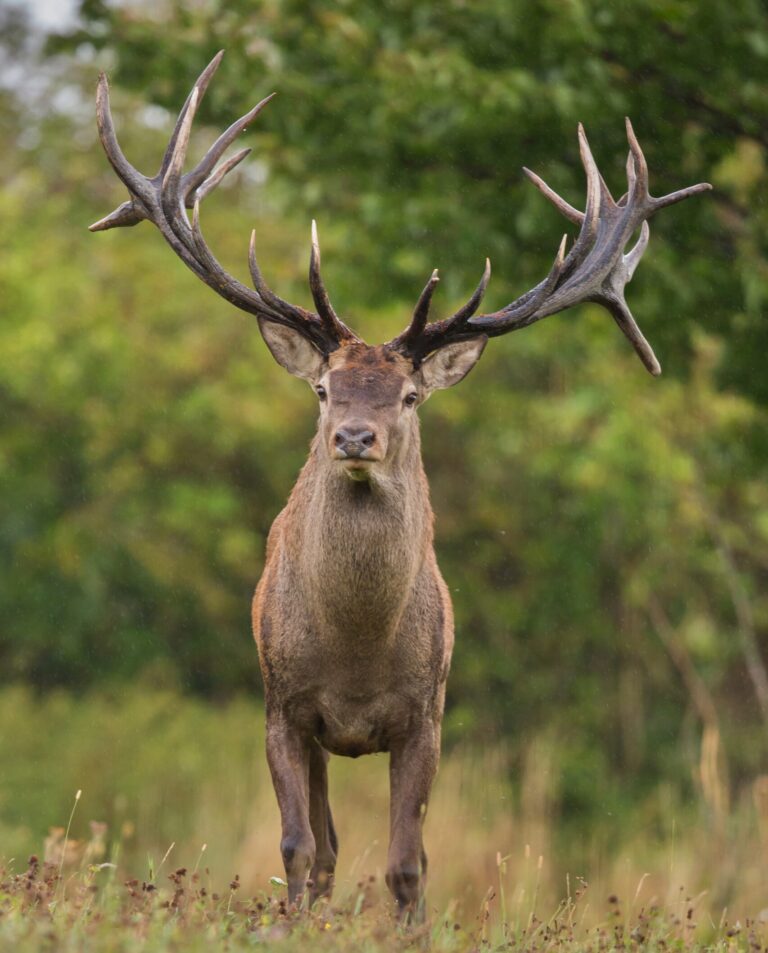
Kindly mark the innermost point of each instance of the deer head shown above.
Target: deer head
(368, 394)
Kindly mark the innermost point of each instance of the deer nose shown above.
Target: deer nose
(353, 442)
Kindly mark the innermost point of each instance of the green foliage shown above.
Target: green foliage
(605, 536)
(408, 124)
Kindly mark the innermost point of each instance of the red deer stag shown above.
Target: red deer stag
(352, 618)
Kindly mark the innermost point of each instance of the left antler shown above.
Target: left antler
(163, 200)
(596, 268)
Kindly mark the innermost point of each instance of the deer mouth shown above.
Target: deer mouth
(356, 457)
(357, 468)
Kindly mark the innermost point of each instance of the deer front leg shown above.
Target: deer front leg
(321, 821)
(412, 767)
(288, 758)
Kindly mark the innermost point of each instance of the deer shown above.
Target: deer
(352, 618)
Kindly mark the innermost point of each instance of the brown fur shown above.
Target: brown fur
(354, 624)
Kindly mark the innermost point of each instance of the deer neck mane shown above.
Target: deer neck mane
(360, 545)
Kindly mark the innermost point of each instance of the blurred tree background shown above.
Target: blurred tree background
(604, 534)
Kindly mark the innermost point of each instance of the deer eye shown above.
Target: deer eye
(410, 399)
(321, 392)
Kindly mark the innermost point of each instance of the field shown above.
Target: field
(173, 844)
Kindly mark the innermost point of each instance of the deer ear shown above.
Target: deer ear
(293, 351)
(451, 364)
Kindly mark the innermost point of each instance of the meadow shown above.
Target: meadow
(173, 843)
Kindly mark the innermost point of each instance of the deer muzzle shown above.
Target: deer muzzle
(355, 443)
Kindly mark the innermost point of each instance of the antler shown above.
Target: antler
(163, 200)
(595, 269)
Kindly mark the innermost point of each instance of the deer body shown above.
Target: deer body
(355, 632)
(352, 619)
(367, 604)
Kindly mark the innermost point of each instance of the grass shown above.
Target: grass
(172, 844)
(92, 910)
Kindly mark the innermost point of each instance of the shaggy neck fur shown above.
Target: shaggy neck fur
(361, 545)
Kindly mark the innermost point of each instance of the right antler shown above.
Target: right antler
(595, 269)
(163, 200)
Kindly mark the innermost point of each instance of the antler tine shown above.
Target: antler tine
(596, 268)
(545, 288)
(637, 175)
(320, 296)
(632, 258)
(639, 186)
(265, 292)
(467, 310)
(619, 311)
(218, 174)
(674, 197)
(526, 305)
(130, 212)
(281, 313)
(631, 178)
(217, 150)
(163, 199)
(201, 85)
(413, 341)
(589, 219)
(594, 192)
(595, 181)
(123, 216)
(598, 197)
(172, 177)
(136, 183)
(421, 312)
(571, 213)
